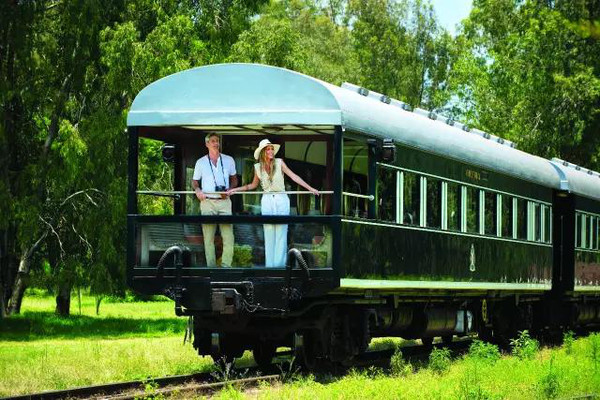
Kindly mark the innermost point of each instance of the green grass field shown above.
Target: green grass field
(136, 340)
(128, 340)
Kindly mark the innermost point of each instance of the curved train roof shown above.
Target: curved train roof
(252, 94)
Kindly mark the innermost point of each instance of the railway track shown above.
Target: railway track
(209, 382)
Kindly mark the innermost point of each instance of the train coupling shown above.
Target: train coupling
(226, 301)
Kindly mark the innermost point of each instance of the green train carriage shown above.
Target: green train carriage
(424, 227)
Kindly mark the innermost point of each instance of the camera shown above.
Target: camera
(220, 188)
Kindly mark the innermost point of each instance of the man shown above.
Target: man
(217, 173)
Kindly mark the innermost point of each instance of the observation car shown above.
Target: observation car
(424, 227)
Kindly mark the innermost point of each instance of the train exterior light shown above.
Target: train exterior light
(423, 227)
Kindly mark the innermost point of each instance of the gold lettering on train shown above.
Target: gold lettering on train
(473, 174)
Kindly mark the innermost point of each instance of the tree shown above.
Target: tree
(401, 51)
(530, 71)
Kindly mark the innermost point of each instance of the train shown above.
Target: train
(425, 227)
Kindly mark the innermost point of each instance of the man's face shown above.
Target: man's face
(213, 143)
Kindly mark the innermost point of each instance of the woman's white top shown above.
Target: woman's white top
(268, 185)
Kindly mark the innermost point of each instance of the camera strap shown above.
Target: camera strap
(213, 172)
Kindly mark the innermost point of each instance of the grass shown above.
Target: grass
(124, 319)
(127, 341)
(137, 340)
(565, 372)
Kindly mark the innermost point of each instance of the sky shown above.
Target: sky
(451, 12)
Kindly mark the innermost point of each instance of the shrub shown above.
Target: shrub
(594, 352)
(484, 351)
(568, 340)
(524, 347)
(549, 384)
(439, 360)
(398, 365)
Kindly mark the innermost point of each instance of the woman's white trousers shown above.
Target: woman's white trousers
(275, 235)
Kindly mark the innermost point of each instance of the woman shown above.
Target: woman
(269, 172)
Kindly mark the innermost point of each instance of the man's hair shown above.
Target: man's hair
(209, 135)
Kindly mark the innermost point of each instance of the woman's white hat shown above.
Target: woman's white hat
(264, 143)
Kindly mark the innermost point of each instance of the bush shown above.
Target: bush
(398, 365)
(524, 347)
(594, 353)
(439, 360)
(549, 384)
(568, 340)
(484, 351)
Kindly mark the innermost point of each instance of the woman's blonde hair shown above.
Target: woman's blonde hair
(263, 163)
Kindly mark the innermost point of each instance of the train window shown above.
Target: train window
(507, 216)
(536, 220)
(490, 213)
(473, 210)
(546, 227)
(412, 199)
(355, 178)
(593, 233)
(522, 219)
(434, 203)
(453, 206)
(598, 234)
(386, 194)
(584, 233)
(577, 230)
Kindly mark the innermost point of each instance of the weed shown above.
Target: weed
(594, 352)
(150, 389)
(373, 372)
(484, 351)
(288, 372)
(549, 384)
(524, 347)
(224, 371)
(229, 392)
(398, 365)
(470, 389)
(439, 360)
(568, 340)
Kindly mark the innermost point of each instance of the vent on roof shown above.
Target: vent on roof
(575, 167)
(426, 113)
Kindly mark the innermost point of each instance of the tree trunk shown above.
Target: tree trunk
(3, 273)
(16, 297)
(63, 300)
(98, 301)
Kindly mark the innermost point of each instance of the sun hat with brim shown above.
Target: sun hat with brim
(264, 143)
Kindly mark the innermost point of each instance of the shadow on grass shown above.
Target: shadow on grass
(46, 325)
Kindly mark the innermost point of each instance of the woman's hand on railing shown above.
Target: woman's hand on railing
(232, 191)
(314, 191)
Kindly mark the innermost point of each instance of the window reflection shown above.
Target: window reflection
(313, 240)
(412, 200)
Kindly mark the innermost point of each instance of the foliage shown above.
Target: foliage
(439, 360)
(242, 255)
(484, 351)
(594, 350)
(549, 384)
(529, 71)
(568, 340)
(524, 347)
(398, 365)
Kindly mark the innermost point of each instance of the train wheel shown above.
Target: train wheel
(307, 354)
(263, 354)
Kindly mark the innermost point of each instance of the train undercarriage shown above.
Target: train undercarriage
(336, 329)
